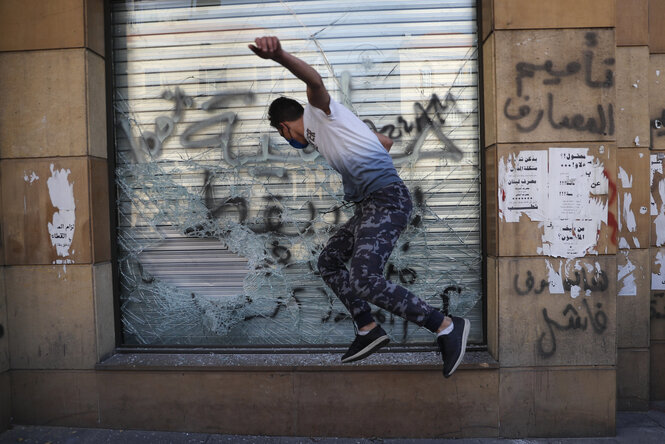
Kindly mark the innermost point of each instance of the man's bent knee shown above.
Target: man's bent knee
(362, 286)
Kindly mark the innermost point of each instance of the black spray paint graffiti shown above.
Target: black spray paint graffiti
(273, 223)
(148, 146)
(597, 282)
(576, 322)
(658, 125)
(150, 143)
(602, 123)
(445, 297)
(657, 309)
(429, 118)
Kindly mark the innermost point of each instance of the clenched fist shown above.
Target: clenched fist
(267, 47)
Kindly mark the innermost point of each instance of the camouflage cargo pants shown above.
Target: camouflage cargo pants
(368, 239)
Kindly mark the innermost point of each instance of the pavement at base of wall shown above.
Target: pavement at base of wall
(632, 427)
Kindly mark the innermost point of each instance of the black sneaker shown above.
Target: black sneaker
(364, 346)
(453, 345)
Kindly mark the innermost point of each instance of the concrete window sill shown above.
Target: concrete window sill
(316, 361)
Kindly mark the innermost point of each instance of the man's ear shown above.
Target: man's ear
(285, 128)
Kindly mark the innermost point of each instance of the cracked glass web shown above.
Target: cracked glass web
(220, 222)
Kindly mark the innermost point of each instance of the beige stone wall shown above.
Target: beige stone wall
(656, 113)
(625, 37)
(56, 305)
(634, 92)
(532, 96)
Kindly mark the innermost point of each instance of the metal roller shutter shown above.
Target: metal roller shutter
(220, 222)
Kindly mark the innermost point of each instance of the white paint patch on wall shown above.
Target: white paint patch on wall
(658, 209)
(626, 278)
(61, 228)
(599, 183)
(575, 291)
(656, 167)
(658, 273)
(626, 181)
(554, 278)
(573, 275)
(659, 221)
(30, 177)
(627, 213)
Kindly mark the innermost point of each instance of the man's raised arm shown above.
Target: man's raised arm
(270, 48)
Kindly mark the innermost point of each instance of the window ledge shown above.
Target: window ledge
(287, 362)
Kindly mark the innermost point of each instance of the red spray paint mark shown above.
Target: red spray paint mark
(611, 219)
(612, 222)
(613, 186)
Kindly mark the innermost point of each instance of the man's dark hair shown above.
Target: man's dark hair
(284, 109)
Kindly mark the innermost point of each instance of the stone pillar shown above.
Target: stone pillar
(633, 261)
(55, 209)
(656, 39)
(5, 386)
(551, 132)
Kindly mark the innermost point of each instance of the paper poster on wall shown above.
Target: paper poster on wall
(523, 186)
(558, 188)
(573, 176)
(569, 238)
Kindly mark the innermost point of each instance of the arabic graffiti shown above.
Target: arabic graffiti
(603, 126)
(598, 282)
(657, 308)
(148, 145)
(527, 121)
(529, 284)
(203, 170)
(424, 123)
(576, 322)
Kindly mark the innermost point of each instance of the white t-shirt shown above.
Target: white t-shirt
(351, 149)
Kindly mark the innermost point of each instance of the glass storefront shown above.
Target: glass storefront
(220, 222)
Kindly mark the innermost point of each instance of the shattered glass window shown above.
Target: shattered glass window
(220, 222)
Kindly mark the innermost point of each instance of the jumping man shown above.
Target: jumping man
(382, 210)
